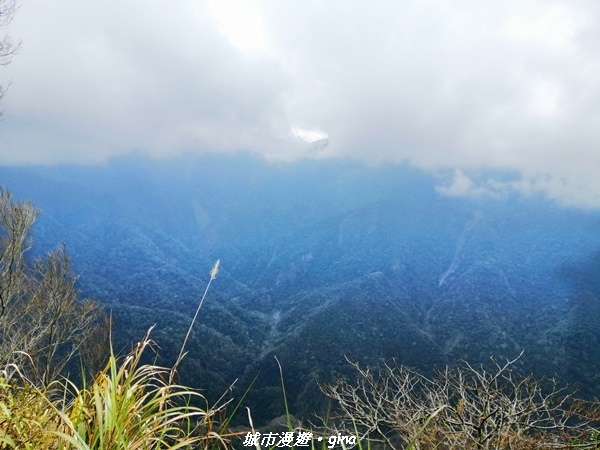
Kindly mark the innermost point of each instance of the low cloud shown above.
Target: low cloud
(466, 86)
(463, 186)
(567, 191)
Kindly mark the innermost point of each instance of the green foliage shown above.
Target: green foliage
(131, 405)
(128, 405)
(134, 404)
(27, 419)
(43, 325)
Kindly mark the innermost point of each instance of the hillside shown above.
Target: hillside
(322, 260)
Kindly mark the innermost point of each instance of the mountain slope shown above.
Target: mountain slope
(322, 261)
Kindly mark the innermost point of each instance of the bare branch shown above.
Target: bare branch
(8, 47)
(460, 407)
(43, 323)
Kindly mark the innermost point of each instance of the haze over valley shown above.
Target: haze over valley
(321, 261)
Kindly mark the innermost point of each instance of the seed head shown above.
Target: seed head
(215, 270)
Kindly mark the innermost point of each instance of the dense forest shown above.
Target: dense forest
(321, 263)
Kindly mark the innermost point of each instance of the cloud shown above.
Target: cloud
(565, 191)
(156, 77)
(465, 85)
(463, 186)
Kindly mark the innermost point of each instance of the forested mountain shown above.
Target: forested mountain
(322, 260)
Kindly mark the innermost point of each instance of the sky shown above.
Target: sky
(457, 87)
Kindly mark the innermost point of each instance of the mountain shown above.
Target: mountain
(321, 261)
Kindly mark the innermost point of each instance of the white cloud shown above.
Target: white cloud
(553, 25)
(309, 135)
(463, 186)
(464, 85)
(240, 23)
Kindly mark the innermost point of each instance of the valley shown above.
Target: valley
(321, 262)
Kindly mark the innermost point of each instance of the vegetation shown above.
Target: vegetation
(321, 263)
(129, 404)
(43, 323)
(464, 407)
(43, 327)
(48, 333)
(8, 47)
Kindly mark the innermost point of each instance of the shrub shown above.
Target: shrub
(459, 408)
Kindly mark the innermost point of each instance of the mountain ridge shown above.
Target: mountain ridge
(323, 261)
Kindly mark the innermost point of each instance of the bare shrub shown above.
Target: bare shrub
(43, 322)
(463, 407)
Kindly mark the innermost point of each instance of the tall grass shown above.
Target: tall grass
(128, 405)
(132, 406)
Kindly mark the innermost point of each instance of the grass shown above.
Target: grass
(133, 406)
(128, 405)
